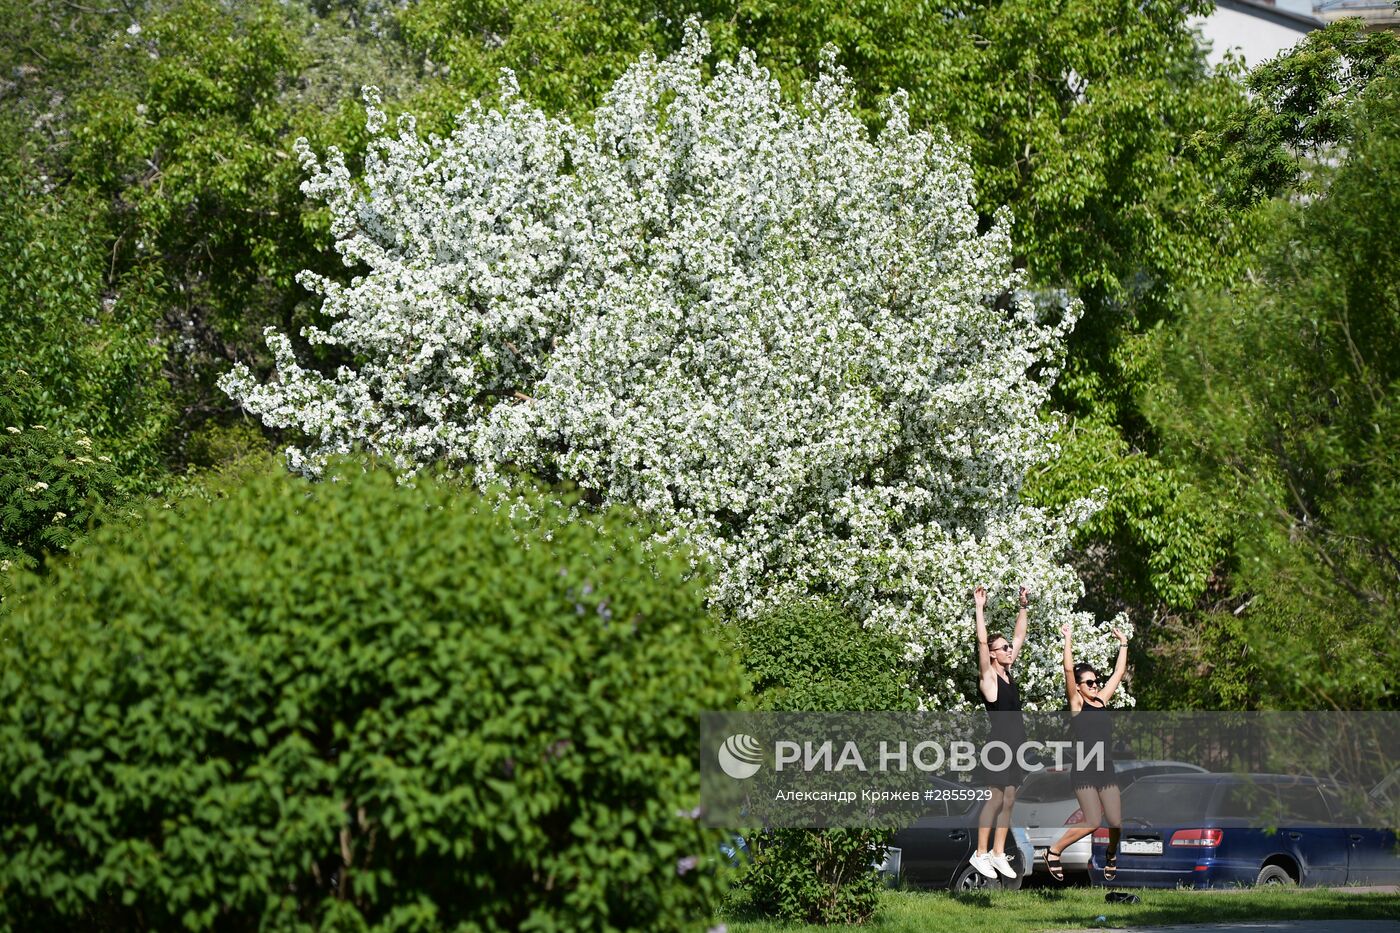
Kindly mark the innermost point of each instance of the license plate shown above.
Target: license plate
(1140, 846)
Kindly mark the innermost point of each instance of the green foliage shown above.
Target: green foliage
(1302, 107)
(191, 150)
(1282, 393)
(52, 484)
(1203, 659)
(89, 356)
(160, 134)
(814, 876)
(566, 54)
(357, 705)
(1156, 540)
(810, 655)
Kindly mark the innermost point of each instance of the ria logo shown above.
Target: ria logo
(740, 756)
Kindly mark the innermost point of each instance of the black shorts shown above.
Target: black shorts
(1094, 779)
(1011, 776)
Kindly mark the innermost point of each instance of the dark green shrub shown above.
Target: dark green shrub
(53, 485)
(357, 705)
(814, 876)
(809, 655)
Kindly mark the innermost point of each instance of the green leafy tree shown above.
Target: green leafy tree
(1303, 105)
(83, 346)
(163, 129)
(1282, 393)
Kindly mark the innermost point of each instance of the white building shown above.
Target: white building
(1255, 30)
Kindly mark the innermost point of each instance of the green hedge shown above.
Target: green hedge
(357, 705)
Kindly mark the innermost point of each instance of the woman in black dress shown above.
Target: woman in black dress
(1096, 785)
(995, 655)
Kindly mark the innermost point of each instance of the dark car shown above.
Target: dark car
(935, 850)
(1047, 805)
(1212, 830)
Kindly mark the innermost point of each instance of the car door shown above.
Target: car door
(1372, 856)
(1306, 828)
(936, 845)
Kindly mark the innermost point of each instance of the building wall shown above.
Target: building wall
(1256, 37)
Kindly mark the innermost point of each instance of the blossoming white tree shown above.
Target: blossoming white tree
(750, 319)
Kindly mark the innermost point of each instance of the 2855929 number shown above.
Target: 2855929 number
(963, 793)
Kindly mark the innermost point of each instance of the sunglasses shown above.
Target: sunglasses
(1002, 648)
(1091, 682)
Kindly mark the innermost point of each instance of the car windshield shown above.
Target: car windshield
(1043, 786)
(1163, 803)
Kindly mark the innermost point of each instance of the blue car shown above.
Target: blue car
(1214, 830)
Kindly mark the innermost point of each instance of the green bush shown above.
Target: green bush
(52, 484)
(809, 655)
(357, 705)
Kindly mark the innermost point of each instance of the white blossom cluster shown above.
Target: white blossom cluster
(748, 318)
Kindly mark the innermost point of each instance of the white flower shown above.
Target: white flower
(12, 429)
(134, 29)
(774, 334)
(37, 487)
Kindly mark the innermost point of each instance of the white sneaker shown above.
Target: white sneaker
(983, 863)
(1000, 863)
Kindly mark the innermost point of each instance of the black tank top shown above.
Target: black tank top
(1093, 726)
(1008, 697)
(1006, 720)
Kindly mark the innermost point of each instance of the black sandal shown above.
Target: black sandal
(1110, 866)
(1054, 865)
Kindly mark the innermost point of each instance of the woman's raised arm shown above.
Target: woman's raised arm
(1119, 667)
(1071, 689)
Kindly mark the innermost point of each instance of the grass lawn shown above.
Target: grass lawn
(1077, 908)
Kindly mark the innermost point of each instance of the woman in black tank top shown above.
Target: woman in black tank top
(995, 655)
(1095, 784)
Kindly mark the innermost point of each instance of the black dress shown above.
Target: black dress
(1007, 725)
(1093, 729)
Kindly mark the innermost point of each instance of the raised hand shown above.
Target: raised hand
(1025, 597)
(979, 597)
(1122, 639)
(1067, 630)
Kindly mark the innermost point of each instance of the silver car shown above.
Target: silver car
(1046, 806)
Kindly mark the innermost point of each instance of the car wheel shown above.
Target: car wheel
(1274, 874)
(970, 879)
